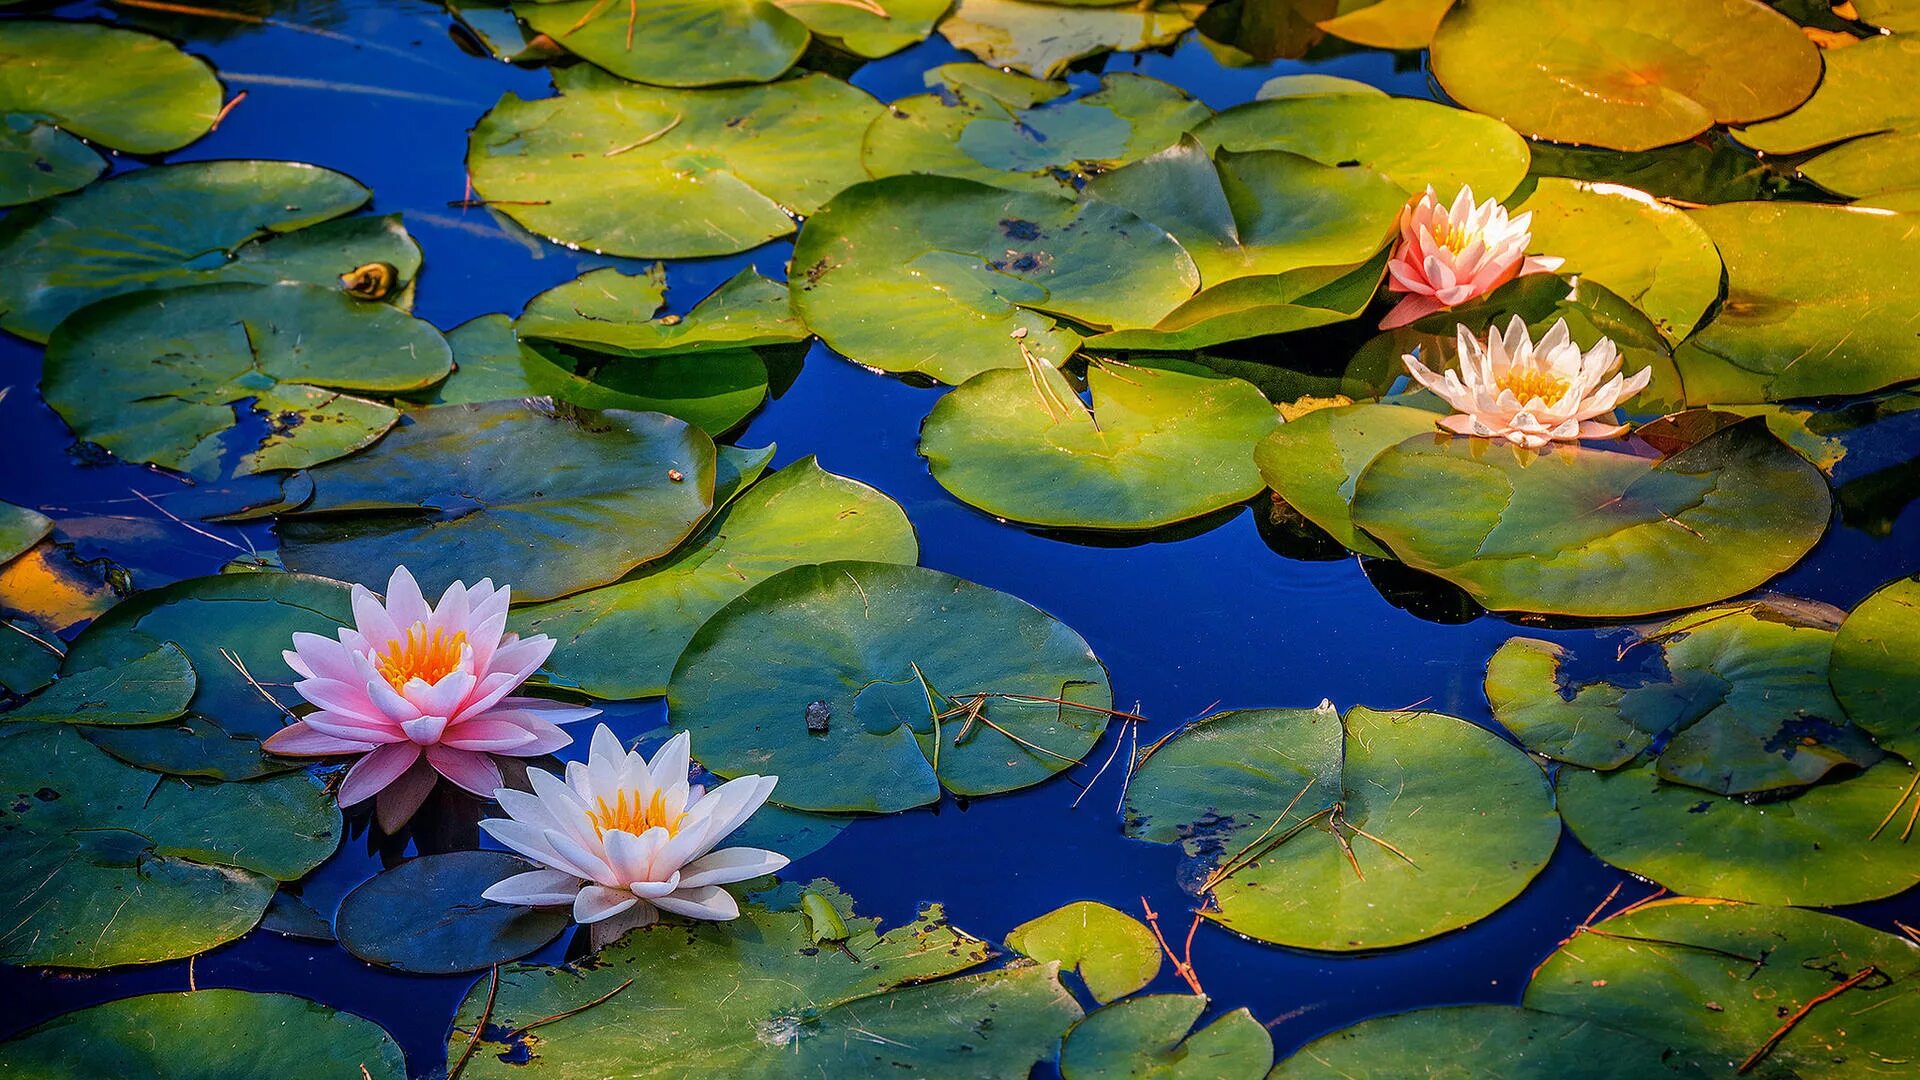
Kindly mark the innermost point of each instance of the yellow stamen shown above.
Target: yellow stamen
(1455, 238)
(633, 816)
(1528, 384)
(418, 655)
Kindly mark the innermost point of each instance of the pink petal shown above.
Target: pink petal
(299, 739)
(375, 771)
(399, 801)
(475, 772)
(371, 619)
(425, 731)
(1412, 307)
(405, 605)
(491, 734)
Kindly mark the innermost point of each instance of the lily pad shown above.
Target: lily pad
(140, 690)
(928, 682)
(620, 641)
(20, 529)
(1110, 950)
(1415, 143)
(426, 916)
(1494, 1042)
(1625, 74)
(1733, 699)
(1798, 321)
(155, 376)
(1003, 128)
(1708, 169)
(951, 277)
(1716, 983)
(547, 498)
(617, 314)
(205, 1035)
(195, 224)
(1145, 1038)
(807, 1008)
(1159, 444)
(1319, 832)
(1314, 460)
(1387, 24)
(675, 42)
(1597, 529)
(872, 28)
(61, 82)
(1876, 665)
(29, 658)
(1257, 306)
(651, 172)
(1042, 38)
(114, 865)
(1866, 114)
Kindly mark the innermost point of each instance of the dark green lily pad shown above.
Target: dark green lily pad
(1313, 461)
(1714, 983)
(675, 42)
(1415, 143)
(911, 666)
(546, 498)
(1111, 951)
(1867, 112)
(951, 277)
(140, 690)
(1876, 665)
(426, 916)
(67, 81)
(1318, 832)
(1733, 699)
(1042, 38)
(1597, 529)
(1002, 128)
(195, 224)
(1159, 444)
(20, 529)
(115, 865)
(205, 1035)
(1146, 1037)
(620, 641)
(155, 376)
(1709, 169)
(806, 1008)
(644, 171)
(617, 314)
(1798, 320)
(1625, 74)
(1492, 1042)
(29, 656)
(793, 833)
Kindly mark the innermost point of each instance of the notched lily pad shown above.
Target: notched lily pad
(140, 690)
(426, 916)
(1113, 953)
(606, 311)
(1148, 1037)
(1314, 460)
(1864, 120)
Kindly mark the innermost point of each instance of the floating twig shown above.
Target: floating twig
(1183, 968)
(480, 1025)
(233, 658)
(645, 139)
(227, 108)
(559, 1016)
(1780, 1032)
(1904, 796)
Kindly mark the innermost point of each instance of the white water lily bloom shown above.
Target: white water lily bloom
(1528, 393)
(623, 838)
(1448, 255)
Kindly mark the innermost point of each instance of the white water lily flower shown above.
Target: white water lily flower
(623, 838)
(1511, 388)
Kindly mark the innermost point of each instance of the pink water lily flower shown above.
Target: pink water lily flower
(622, 838)
(421, 691)
(1528, 393)
(1448, 255)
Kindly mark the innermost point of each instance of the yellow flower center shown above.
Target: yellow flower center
(1528, 384)
(418, 655)
(630, 815)
(1455, 238)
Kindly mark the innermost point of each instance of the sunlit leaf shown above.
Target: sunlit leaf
(1313, 461)
(1876, 665)
(1113, 953)
(1042, 38)
(1869, 102)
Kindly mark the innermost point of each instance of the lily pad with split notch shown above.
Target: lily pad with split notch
(1111, 951)
(1863, 120)
(605, 311)
(1314, 460)
(426, 915)
(1148, 1037)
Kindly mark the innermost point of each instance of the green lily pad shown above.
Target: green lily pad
(1869, 103)
(617, 314)
(651, 172)
(1387, 24)
(1799, 321)
(951, 277)
(1313, 461)
(205, 1035)
(546, 498)
(1735, 698)
(141, 690)
(926, 681)
(29, 657)
(72, 80)
(426, 916)
(1835, 843)
(1159, 444)
(806, 1009)
(863, 32)
(1716, 982)
(675, 42)
(1042, 38)
(1625, 74)
(492, 29)
(114, 865)
(1876, 665)
(1413, 142)
(20, 529)
(1899, 16)
(1257, 306)
(1709, 169)
(1003, 128)
(1113, 953)
(155, 376)
(1649, 254)
(1598, 529)
(620, 641)
(195, 224)
(1492, 1042)
(1319, 832)
(1145, 1038)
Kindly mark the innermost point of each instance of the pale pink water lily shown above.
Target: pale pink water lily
(1448, 255)
(421, 691)
(1510, 387)
(622, 839)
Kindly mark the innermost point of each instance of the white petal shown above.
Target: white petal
(597, 902)
(535, 888)
(706, 902)
(729, 865)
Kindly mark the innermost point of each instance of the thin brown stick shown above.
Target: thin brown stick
(1221, 872)
(35, 638)
(227, 108)
(1904, 796)
(190, 9)
(233, 658)
(176, 518)
(1696, 946)
(1408, 859)
(480, 1025)
(1180, 967)
(644, 139)
(468, 204)
(556, 1017)
(1037, 699)
(1102, 771)
(591, 14)
(1780, 1032)
(1126, 778)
